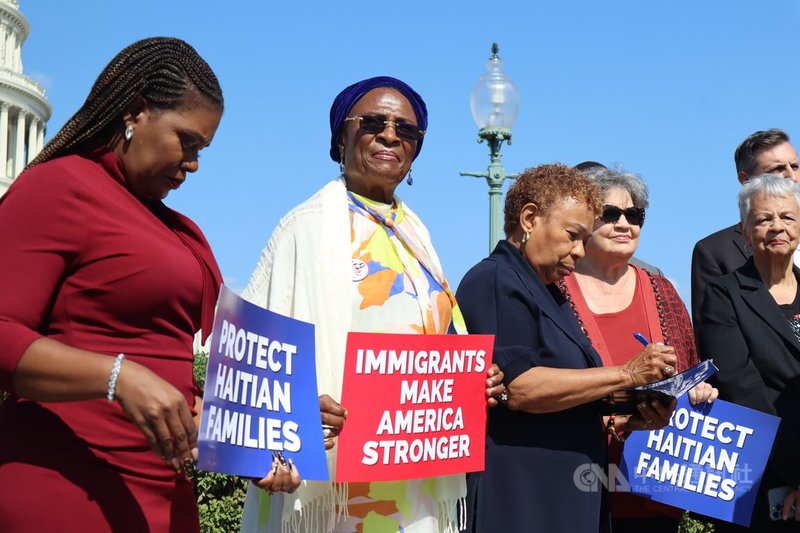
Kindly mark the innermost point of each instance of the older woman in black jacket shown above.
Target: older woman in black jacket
(750, 325)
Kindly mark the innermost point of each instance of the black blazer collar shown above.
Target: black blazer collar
(548, 297)
(758, 298)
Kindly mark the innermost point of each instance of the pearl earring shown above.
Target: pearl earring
(128, 132)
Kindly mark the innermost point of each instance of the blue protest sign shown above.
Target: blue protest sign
(709, 459)
(260, 394)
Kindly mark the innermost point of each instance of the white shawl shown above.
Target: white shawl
(305, 273)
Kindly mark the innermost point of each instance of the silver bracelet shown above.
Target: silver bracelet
(112, 378)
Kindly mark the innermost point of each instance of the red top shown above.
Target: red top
(612, 334)
(617, 329)
(86, 263)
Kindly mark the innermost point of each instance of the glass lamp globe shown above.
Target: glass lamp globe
(494, 99)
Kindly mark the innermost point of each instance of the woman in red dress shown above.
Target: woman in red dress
(103, 289)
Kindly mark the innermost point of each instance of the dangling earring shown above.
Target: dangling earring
(341, 164)
(409, 178)
(128, 132)
(525, 237)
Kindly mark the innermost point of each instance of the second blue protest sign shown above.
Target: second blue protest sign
(709, 459)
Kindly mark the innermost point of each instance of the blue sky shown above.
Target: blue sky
(667, 89)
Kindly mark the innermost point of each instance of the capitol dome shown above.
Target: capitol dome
(24, 109)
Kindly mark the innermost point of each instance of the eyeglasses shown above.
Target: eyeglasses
(634, 215)
(377, 123)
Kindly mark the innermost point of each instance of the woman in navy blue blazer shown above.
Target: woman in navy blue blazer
(546, 446)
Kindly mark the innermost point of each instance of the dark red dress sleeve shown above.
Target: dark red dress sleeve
(41, 231)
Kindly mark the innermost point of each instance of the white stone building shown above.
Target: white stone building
(24, 109)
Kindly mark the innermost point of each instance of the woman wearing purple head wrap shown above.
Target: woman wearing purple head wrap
(354, 257)
(346, 99)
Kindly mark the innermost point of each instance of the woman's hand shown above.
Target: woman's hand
(283, 476)
(656, 362)
(703, 392)
(495, 390)
(649, 415)
(791, 506)
(160, 411)
(333, 416)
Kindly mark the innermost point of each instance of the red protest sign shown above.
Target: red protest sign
(416, 406)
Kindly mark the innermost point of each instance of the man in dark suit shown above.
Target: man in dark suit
(763, 152)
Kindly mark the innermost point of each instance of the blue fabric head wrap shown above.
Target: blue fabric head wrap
(346, 99)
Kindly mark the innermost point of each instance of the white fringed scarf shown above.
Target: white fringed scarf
(305, 272)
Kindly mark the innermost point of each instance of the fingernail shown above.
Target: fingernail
(176, 465)
(195, 453)
(188, 467)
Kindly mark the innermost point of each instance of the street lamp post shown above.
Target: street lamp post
(494, 102)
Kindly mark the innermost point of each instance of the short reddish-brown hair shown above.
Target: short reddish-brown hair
(546, 186)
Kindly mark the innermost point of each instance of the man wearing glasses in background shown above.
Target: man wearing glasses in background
(763, 152)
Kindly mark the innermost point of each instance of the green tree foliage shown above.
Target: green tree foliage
(689, 524)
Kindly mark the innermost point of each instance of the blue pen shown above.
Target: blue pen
(641, 338)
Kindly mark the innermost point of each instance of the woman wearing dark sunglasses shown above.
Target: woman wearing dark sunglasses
(543, 444)
(354, 257)
(613, 299)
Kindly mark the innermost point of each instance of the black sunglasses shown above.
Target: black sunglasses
(634, 215)
(377, 123)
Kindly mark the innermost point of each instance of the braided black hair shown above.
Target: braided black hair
(161, 70)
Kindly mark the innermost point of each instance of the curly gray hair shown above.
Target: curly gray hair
(618, 178)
